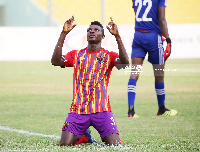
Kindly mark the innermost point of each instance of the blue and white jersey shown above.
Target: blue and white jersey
(146, 14)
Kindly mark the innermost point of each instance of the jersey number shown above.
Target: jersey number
(140, 4)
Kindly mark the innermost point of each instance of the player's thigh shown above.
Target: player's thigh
(76, 124)
(137, 56)
(156, 57)
(154, 48)
(137, 51)
(104, 123)
(137, 46)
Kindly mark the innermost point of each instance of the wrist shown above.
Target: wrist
(64, 32)
(168, 40)
(117, 36)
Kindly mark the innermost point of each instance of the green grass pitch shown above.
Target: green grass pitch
(36, 97)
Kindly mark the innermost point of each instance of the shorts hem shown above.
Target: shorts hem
(79, 137)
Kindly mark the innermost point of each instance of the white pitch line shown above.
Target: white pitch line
(124, 147)
(29, 133)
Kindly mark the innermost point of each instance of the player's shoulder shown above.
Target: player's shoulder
(113, 55)
(79, 51)
(71, 53)
(109, 52)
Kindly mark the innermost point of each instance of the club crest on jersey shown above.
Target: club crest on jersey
(66, 124)
(100, 59)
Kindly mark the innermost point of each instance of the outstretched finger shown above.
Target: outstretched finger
(111, 19)
(108, 27)
(73, 18)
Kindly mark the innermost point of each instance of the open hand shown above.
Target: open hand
(112, 27)
(68, 25)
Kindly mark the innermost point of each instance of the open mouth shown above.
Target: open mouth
(91, 36)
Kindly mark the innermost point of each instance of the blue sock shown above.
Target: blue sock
(131, 92)
(160, 91)
(88, 133)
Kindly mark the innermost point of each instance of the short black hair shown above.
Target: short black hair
(99, 24)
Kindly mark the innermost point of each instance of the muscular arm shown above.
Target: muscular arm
(163, 22)
(164, 29)
(124, 60)
(122, 51)
(56, 59)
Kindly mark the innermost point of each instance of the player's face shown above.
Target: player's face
(94, 34)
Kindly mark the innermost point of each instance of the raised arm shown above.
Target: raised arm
(123, 56)
(56, 59)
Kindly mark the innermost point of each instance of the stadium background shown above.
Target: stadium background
(35, 12)
(33, 26)
(35, 96)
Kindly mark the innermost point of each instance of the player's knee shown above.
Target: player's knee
(113, 142)
(66, 143)
(112, 139)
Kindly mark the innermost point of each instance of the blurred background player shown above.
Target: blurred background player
(150, 24)
(92, 68)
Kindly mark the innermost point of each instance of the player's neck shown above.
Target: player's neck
(93, 47)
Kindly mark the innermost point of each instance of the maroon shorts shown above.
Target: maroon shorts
(103, 122)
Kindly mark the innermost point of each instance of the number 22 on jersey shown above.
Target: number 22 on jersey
(141, 4)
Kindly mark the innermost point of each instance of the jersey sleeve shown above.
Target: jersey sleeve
(113, 56)
(69, 58)
(162, 3)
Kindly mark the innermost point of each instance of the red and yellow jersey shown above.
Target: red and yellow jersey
(91, 73)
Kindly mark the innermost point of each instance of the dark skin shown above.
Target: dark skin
(159, 75)
(94, 38)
